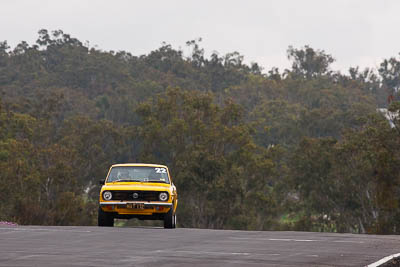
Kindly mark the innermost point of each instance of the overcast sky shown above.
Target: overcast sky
(355, 32)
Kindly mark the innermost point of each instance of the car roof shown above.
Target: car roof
(138, 165)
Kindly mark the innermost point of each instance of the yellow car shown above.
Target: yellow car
(143, 191)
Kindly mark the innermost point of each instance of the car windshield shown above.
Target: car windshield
(138, 174)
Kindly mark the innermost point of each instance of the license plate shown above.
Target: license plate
(136, 206)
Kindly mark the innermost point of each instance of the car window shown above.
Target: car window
(139, 174)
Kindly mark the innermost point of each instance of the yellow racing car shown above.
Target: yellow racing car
(136, 190)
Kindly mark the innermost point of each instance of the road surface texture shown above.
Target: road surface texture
(103, 246)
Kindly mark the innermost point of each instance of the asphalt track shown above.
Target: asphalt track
(100, 246)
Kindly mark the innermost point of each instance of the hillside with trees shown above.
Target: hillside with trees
(296, 149)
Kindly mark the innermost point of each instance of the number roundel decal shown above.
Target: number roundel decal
(160, 170)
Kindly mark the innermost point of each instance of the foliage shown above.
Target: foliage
(303, 149)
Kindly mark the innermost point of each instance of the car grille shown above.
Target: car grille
(143, 195)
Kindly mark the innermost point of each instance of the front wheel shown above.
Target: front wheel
(170, 219)
(105, 218)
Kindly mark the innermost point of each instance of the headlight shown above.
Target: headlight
(107, 195)
(163, 196)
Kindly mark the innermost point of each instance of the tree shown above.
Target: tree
(389, 70)
(309, 63)
(212, 157)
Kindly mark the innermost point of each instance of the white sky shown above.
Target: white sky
(355, 32)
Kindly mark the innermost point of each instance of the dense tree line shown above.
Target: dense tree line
(303, 148)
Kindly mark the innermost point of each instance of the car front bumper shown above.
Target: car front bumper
(146, 204)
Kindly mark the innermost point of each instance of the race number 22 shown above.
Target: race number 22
(160, 170)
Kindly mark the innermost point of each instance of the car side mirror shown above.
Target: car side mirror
(101, 182)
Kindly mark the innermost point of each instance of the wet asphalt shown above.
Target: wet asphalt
(101, 246)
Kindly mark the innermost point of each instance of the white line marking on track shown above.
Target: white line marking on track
(44, 230)
(279, 239)
(216, 253)
(27, 257)
(294, 240)
(348, 241)
(212, 252)
(297, 240)
(384, 260)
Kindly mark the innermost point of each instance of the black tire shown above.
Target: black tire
(170, 219)
(105, 219)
